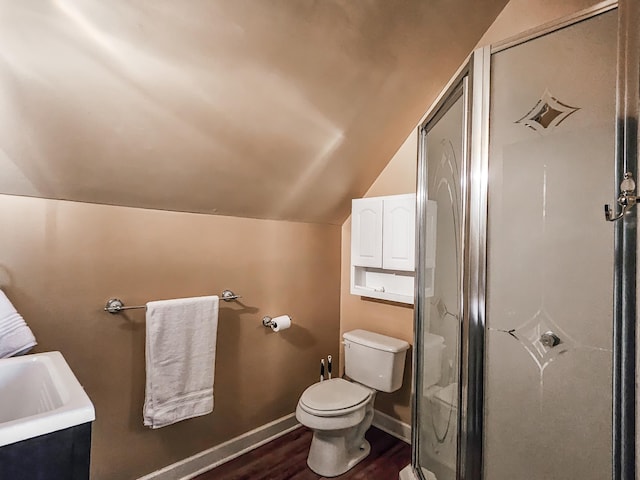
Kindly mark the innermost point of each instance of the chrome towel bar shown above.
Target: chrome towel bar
(115, 305)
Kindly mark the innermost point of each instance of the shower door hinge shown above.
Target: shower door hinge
(626, 200)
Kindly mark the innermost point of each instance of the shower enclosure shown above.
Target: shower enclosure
(525, 297)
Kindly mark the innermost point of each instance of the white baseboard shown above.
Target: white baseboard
(392, 426)
(204, 461)
(209, 459)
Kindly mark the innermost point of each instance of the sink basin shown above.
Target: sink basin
(39, 394)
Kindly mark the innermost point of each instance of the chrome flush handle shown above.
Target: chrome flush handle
(626, 200)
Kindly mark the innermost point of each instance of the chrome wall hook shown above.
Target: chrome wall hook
(626, 200)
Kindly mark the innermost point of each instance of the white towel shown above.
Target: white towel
(16, 337)
(180, 357)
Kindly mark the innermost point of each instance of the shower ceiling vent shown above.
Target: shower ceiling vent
(549, 112)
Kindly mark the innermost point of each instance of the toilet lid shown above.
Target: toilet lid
(335, 394)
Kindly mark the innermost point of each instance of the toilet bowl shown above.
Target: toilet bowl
(339, 411)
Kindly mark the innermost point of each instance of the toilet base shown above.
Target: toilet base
(329, 455)
(338, 442)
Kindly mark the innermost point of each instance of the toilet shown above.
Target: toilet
(339, 411)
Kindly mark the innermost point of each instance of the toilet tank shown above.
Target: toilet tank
(374, 360)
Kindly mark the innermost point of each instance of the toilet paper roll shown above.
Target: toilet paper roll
(281, 323)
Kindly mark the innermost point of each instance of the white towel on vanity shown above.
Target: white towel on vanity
(180, 355)
(16, 337)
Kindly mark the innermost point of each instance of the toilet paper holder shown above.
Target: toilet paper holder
(269, 322)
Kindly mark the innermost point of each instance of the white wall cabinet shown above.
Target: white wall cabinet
(383, 247)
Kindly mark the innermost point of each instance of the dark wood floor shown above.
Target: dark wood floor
(286, 459)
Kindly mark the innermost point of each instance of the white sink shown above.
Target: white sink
(39, 394)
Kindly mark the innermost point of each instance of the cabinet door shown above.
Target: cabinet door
(398, 251)
(366, 232)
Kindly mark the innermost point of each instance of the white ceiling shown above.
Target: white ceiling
(280, 109)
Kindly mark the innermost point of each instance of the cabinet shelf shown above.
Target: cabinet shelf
(392, 285)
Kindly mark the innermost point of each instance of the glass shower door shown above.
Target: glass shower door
(440, 306)
(548, 403)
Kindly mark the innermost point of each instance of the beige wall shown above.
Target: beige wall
(60, 261)
(400, 177)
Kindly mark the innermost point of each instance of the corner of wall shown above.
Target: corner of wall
(399, 176)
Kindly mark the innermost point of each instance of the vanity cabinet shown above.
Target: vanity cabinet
(63, 454)
(383, 247)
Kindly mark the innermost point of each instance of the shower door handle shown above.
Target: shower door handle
(550, 339)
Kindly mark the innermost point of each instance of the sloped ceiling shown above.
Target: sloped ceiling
(280, 109)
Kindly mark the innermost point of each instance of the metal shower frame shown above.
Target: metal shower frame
(472, 81)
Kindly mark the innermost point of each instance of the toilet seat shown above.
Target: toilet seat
(334, 397)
